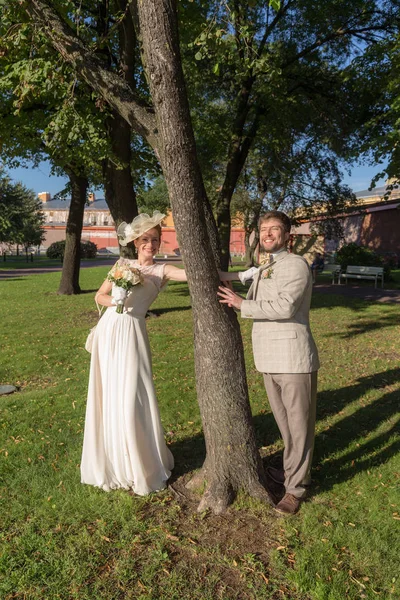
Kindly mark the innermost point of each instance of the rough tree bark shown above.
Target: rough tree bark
(69, 283)
(250, 244)
(232, 461)
(118, 182)
(119, 189)
(238, 151)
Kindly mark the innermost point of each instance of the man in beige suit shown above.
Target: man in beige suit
(278, 301)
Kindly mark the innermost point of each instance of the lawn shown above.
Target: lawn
(60, 539)
(22, 262)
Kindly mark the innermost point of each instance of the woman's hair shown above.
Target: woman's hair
(158, 227)
(280, 216)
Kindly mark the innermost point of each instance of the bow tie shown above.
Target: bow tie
(266, 258)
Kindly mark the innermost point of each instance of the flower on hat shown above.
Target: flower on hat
(127, 232)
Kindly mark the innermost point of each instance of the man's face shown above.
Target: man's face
(272, 235)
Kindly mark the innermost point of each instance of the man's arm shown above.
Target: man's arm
(292, 281)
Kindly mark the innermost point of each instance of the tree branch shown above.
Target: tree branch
(107, 84)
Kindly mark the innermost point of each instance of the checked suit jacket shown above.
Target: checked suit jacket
(278, 301)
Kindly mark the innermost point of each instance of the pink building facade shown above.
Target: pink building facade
(98, 227)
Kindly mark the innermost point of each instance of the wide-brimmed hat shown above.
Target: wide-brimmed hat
(127, 232)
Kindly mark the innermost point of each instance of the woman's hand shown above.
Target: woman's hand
(247, 275)
(103, 294)
(229, 297)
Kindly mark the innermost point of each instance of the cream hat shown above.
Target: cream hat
(127, 232)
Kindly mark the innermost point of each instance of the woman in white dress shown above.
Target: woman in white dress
(124, 444)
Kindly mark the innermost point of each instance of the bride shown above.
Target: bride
(124, 444)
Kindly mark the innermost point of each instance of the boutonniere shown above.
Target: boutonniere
(267, 274)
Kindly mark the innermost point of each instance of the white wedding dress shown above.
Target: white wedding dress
(124, 444)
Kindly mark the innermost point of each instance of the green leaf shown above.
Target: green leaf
(276, 4)
(216, 69)
(198, 56)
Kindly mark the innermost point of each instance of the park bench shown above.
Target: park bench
(372, 273)
(334, 270)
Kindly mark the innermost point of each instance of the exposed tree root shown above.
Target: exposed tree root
(198, 480)
(217, 497)
(257, 490)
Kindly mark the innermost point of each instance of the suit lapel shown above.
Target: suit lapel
(252, 293)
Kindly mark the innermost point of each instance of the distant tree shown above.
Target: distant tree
(33, 233)
(263, 68)
(21, 218)
(353, 254)
(378, 72)
(154, 197)
(296, 173)
(57, 250)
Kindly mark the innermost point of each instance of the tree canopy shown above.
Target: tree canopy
(21, 218)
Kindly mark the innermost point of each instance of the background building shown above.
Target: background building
(99, 228)
(374, 223)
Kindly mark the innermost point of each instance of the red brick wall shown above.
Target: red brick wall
(105, 237)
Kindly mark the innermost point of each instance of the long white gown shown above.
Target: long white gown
(124, 444)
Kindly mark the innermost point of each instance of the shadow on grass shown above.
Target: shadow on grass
(11, 278)
(355, 428)
(328, 469)
(361, 327)
(336, 300)
(161, 311)
(189, 455)
(178, 290)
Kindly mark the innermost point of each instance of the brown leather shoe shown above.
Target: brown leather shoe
(277, 475)
(289, 505)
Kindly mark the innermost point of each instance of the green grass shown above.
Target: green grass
(60, 539)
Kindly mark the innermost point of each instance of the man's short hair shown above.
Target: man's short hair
(279, 215)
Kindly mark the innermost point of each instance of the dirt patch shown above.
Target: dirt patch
(233, 549)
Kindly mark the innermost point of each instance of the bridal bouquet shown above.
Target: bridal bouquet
(123, 279)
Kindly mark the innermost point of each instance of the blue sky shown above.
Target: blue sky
(40, 180)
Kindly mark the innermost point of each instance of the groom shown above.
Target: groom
(278, 301)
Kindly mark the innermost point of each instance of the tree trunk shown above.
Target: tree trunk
(118, 183)
(233, 461)
(69, 283)
(250, 246)
(238, 151)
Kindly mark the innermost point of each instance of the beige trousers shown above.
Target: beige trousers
(292, 397)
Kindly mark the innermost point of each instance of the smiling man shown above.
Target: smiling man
(284, 350)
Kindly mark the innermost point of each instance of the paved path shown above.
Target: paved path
(101, 262)
(369, 294)
(12, 273)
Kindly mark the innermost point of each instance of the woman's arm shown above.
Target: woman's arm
(241, 276)
(103, 294)
(231, 276)
(174, 274)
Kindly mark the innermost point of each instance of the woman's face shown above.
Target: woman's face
(148, 243)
